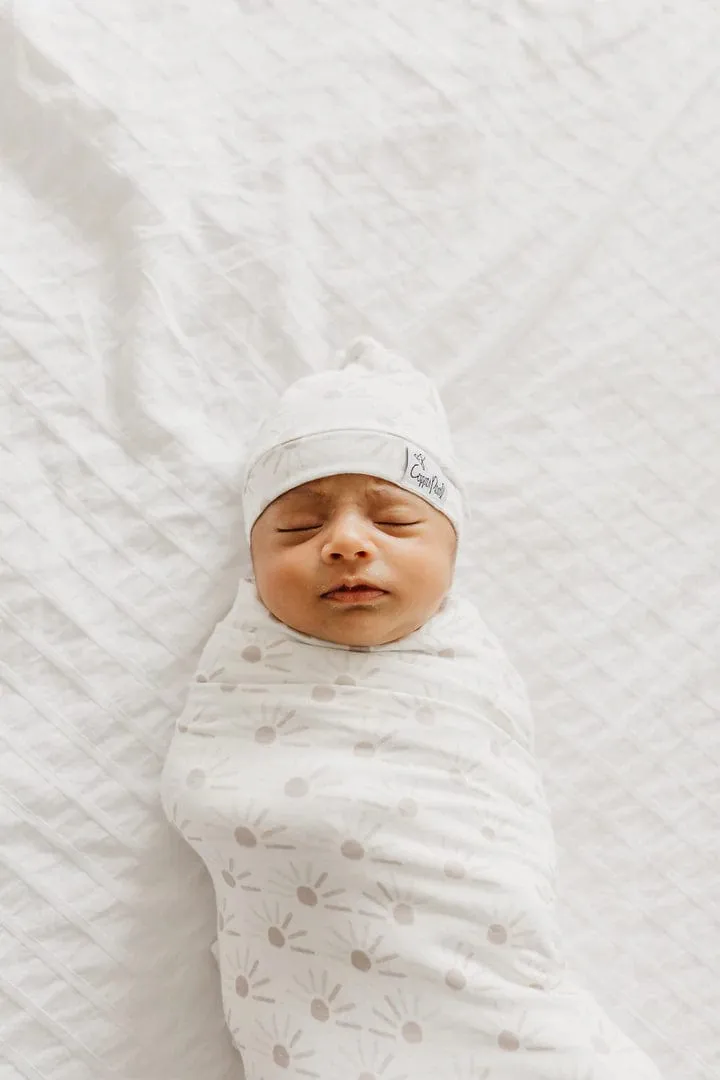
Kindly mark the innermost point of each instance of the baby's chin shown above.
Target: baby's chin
(363, 630)
(358, 636)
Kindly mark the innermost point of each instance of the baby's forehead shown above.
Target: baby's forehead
(344, 485)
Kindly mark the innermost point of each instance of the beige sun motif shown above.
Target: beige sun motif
(254, 833)
(324, 1001)
(226, 920)
(215, 763)
(273, 656)
(462, 965)
(388, 901)
(237, 877)
(408, 806)
(491, 829)
(369, 1061)
(279, 725)
(184, 824)
(208, 677)
(523, 1036)
(284, 1045)
(357, 836)
(320, 781)
(196, 779)
(517, 932)
(465, 968)
(402, 1018)
(309, 886)
(279, 927)
(365, 950)
(465, 861)
(247, 981)
(202, 720)
(378, 748)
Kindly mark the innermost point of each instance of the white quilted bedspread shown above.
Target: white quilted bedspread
(199, 201)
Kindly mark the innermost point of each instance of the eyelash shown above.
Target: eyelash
(390, 524)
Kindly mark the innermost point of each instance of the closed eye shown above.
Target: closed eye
(302, 528)
(386, 524)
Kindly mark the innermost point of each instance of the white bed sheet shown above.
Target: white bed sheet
(200, 201)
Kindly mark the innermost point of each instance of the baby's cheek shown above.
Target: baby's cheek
(431, 573)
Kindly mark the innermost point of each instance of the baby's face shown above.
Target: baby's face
(345, 529)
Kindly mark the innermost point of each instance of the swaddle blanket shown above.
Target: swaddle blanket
(383, 859)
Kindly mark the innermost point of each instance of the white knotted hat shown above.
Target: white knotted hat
(375, 414)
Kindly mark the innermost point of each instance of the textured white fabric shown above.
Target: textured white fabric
(380, 847)
(201, 200)
(375, 415)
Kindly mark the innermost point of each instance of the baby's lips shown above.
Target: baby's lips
(359, 586)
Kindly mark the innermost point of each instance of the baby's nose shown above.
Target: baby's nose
(349, 538)
(348, 553)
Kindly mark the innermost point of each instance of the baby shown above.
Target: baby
(355, 767)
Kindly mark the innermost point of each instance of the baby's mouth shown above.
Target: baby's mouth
(354, 593)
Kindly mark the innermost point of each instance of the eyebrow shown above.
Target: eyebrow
(381, 487)
(309, 491)
(305, 493)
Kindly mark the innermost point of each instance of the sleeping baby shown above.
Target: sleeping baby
(355, 766)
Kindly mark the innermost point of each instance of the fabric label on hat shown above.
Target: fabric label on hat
(424, 476)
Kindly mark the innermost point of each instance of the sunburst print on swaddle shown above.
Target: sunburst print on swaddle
(373, 818)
